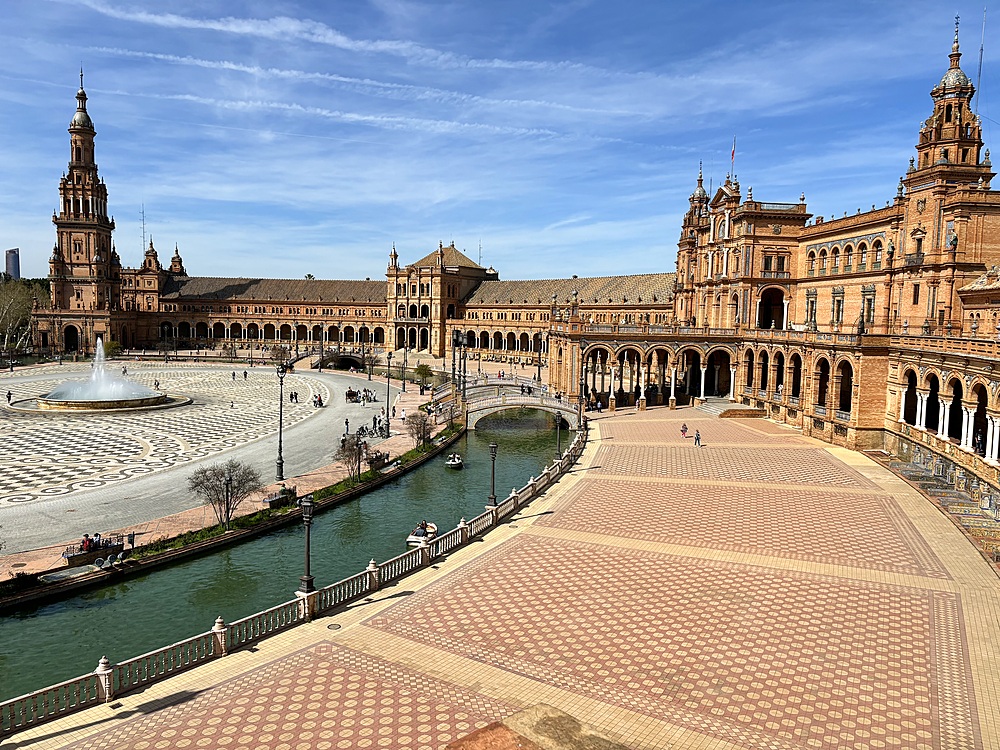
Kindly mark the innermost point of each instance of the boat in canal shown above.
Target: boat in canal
(424, 531)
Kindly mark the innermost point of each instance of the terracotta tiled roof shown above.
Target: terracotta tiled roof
(989, 280)
(633, 290)
(452, 258)
(277, 290)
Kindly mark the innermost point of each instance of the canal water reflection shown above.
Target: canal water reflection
(55, 642)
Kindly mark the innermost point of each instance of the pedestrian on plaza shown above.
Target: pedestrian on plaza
(684, 430)
(232, 404)
(234, 376)
(244, 374)
(156, 385)
(393, 412)
(402, 417)
(697, 439)
(347, 426)
(9, 396)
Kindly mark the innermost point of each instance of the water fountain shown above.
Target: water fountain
(102, 390)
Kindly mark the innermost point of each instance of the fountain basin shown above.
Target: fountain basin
(100, 404)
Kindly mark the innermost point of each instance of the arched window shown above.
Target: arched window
(863, 252)
(812, 261)
(835, 261)
(848, 257)
(822, 260)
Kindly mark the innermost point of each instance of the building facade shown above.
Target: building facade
(877, 330)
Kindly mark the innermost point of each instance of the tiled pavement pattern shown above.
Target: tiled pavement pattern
(808, 600)
(54, 454)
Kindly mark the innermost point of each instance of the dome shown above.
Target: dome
(80, 118)
(955, 78)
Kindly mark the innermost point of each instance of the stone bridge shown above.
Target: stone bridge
(481, 404)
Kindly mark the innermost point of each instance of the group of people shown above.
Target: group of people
(90, 543)
(697, 435)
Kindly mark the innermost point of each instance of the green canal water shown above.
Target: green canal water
(59, 641)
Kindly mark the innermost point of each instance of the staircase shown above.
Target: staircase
(720, 406)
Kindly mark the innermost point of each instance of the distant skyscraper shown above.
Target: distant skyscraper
(13, 265)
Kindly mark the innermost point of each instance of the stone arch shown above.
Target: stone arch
(749, 359)
(955, 411)
(235, 331)
(201, 330)
(484, 340)
(771, 312)
(845, 391)
(285, 332)
(909, 414)
(764, 363)
(719, 372)
(932, 411)
(597, 363)
(795, 365)
(821, 373)
(980, 424)
(71, 339)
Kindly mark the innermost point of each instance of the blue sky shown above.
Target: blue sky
(278, 139)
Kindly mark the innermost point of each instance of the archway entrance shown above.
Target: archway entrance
(772, 309)
(71, 339)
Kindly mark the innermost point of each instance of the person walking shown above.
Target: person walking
(9, 396)
(684, 430)
(697, 439)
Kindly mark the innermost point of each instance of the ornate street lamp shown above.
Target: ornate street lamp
(282, 370)
(388, 374)
(493, 474)
(306, 581)
(403, 369)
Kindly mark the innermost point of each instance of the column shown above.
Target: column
(990, 425)
(992, 454)
(756, 316)
(966, 441)
(732, 383)
(921, 411)
(942, 420)
(673, 385)
(902, 404)
(702, 385)
(784, 317)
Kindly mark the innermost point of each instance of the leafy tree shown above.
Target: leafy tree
(423, 373)
(310, 277)
(351, 453)
(368, 360)
(112, 349)
(418, 427)
(229, 350)
(225, 486)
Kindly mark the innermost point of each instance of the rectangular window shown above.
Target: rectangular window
(916, 294)
(768, 260)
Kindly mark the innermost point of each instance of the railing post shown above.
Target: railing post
(425, 551)
(105, 689)
(372, 571)
(463, 530)
(219, 631)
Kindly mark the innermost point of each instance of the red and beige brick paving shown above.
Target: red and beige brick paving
(764, 591)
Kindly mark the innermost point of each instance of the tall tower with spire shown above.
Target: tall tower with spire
(84, 269)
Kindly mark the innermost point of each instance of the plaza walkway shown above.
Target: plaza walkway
(762, 591)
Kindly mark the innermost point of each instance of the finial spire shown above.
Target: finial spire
(954, 45)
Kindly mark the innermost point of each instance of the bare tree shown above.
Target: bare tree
(279, 353)
(15, 315)
(225, 486)
(418, 427)
(352, 452)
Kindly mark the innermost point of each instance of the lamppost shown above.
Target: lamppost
(228, 485)
(493, 474)
(282, 370)
(366, 361)
(306, 581)
(388, 374)
(403, 371)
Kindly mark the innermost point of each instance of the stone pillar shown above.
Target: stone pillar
(105, 685)
(784, 316)
(611, 392)
(373, 575)
(701, 388)
(990, 426)
(943, 413)
(732, 383)
(921, 410)
(902, 405)
(966, 441)
(994, 452)
(219, 631)
(673, 387)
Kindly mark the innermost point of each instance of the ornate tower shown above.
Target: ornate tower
(951, 138)
(84, 270)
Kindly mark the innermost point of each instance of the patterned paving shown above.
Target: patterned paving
(806, 607)
(53, 454)
(323, 697)
(665, 427)
(729, 464)
(742, 653)
(859, 529)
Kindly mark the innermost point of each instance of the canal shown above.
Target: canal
(55, 642)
